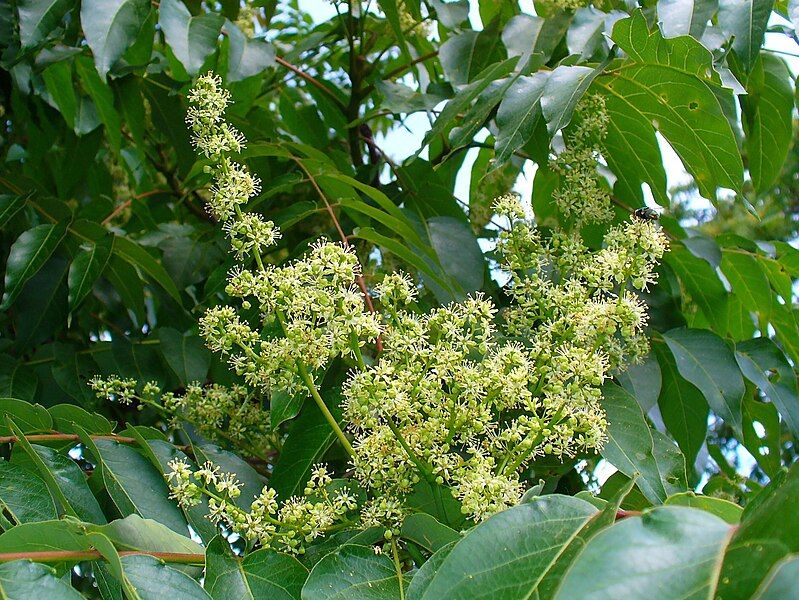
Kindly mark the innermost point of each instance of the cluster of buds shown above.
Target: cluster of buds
(219, 413)
(582, 195)
(288, 527)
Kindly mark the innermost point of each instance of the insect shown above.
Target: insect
(646, 214)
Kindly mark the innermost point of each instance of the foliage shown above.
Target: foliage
(345, 379)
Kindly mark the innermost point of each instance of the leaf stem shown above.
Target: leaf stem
(398, 568)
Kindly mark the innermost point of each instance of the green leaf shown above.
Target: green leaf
(247, 57)
(763, 444)
(747, 21)
(782, 580)
(563, 89)
(135, 533)
(702, 284)
(748, 280)
(111, 27)
(61, 91)
(134, 485)
(644, 381)
(601, 520)
(85, 269)
(138, 257)
(682, 406)
(668, 553)
(465, 96)
(23, 580)
(65, 416)
(634, 448)
(767, 118)
(508, 554)
(705, 360)
(64, 478)
(767, 533)
(261, 574)
(161, 453)
(283, 407)
(192, 38)
(17, 380)
(38, 18)
(426, 531)
(186, 354)
(42, 536)
(10, 205)
(458, 253)
(352, 573)
(518, 114)
(467, 55)
(28, 254)
(24, 495)
(308, 439)
(671, 85)
(685, 17)
(103, 100)
(425, 574)
(723, 509)
(153, 580)
(764, 364)
(30, 418)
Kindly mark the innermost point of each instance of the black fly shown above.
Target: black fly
(646, 214)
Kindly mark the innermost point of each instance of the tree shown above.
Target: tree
(251, 350)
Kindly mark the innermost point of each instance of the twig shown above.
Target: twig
(55, 556)
(128, 202)
(313, 81)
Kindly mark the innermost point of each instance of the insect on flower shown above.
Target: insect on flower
(646, 214)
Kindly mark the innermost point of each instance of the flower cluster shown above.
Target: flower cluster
(288, 527)
(311, 312)
(581, 195)
(571, 300)
(435, 404)
(219, 413)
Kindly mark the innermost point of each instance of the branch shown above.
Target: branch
(313, 81)
(56, 556)
(72, 437)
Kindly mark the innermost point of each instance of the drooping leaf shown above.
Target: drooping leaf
(766, 535)
(24, 495)
(635, 448)
(25, 579)
(111, 27)
(191, 38)
(153, 580)
(134, 485)
(518, 114)
(28, 254)
(261, 574)
(185, 354)
(746, 20)
(685, 17)
(508, 554)
(308, 439)
(767, 117)
(352, 573)
(706, 361)
(247, 57)
(682, 406)
(668, 552)
(85, 269)
(764, 364)
(38, 19)
(64, 478)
